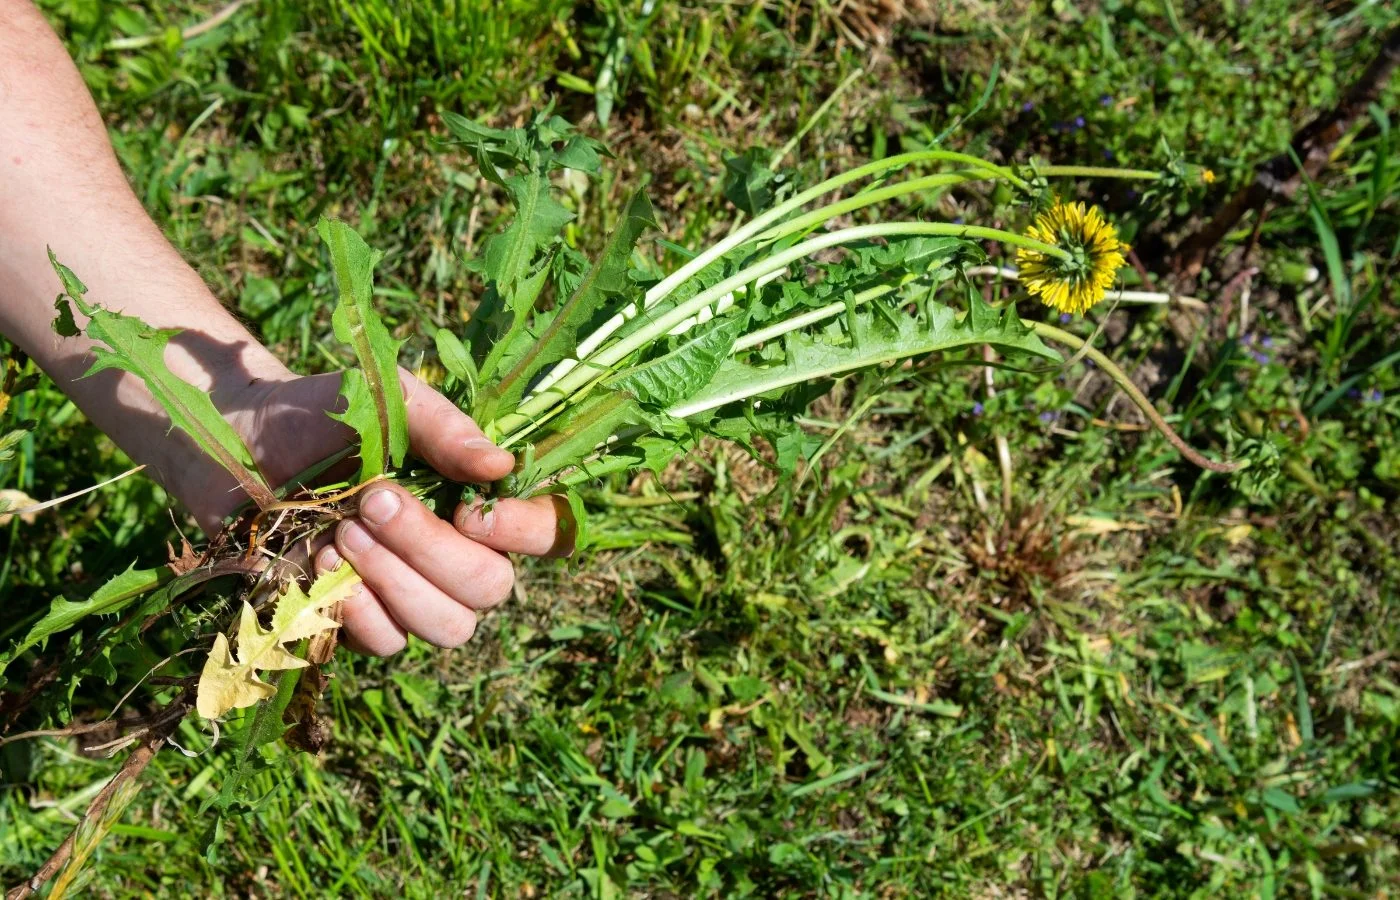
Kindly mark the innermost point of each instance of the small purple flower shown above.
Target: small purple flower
(1105, 100)
(1078, 121)
(959, 220)
(1107, 154)
(1261, 358)
(1048, 417)
(1374, 395)
(1133, 194)
(1090, 363)
(1248, 339)
(1267, 342)
(1066, 317)
(1354, 393)
(1028, 106)
(978, 408)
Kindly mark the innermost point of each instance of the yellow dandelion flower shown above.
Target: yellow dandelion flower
(1076, 283)
(430, 372)
(1207, 176)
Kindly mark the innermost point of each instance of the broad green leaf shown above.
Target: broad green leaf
(230, 681)
(514, 331)
(791, 444)
(579, 512)
(114, 596)
(578, 433)
(873, 343)
(607, 277)
(579, 153)
(492, 148)
(499, 151)
(457, 361)
(647, 451)
(748, 182)
(375, 405)
(130, 345)
(669, 379)
(510, 255)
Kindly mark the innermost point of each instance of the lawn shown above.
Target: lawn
(993, 637)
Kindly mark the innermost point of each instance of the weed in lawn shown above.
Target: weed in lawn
(1195, 695)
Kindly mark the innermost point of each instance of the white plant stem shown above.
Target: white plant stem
(608, 358)
(759, 228)
(1152, 297)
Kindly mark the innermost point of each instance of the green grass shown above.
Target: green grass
(1122, 678)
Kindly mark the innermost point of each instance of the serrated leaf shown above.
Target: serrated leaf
(748, 182)
(579, 153)
(230, 681)
(670, 379)
(492, 148)
(510, 255)
(607, 277)
(375, 406)
(498, 151)
(514, 331)
(649, 452)
(114, 596)
(790, 445)
(872, 343)
(577, 433)
(265, 728)
(127, 344)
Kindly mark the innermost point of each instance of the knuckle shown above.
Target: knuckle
(445, 415)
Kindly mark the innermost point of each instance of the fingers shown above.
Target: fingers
(366, 626)
(430, 579)
(414, 603)
(448, 440)
(390, 517)
(540, 526)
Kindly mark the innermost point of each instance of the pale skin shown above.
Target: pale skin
(61, 187)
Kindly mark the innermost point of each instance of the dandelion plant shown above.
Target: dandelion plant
(585, 368)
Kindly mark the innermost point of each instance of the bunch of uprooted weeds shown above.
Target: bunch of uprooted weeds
(585, 368)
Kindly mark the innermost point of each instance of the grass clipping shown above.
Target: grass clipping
(231, 682)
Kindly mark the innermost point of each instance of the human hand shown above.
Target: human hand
(422, 575)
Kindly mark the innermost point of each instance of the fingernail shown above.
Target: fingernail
(380, 506)
(329, 560)
(477, 521)
(480, 444)
(355, 538)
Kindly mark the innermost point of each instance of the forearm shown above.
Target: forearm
(61, 187)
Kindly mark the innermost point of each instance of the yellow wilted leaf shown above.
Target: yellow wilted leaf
(1097, 525)
(13, 499)
(1236, 534)
(231, 682)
